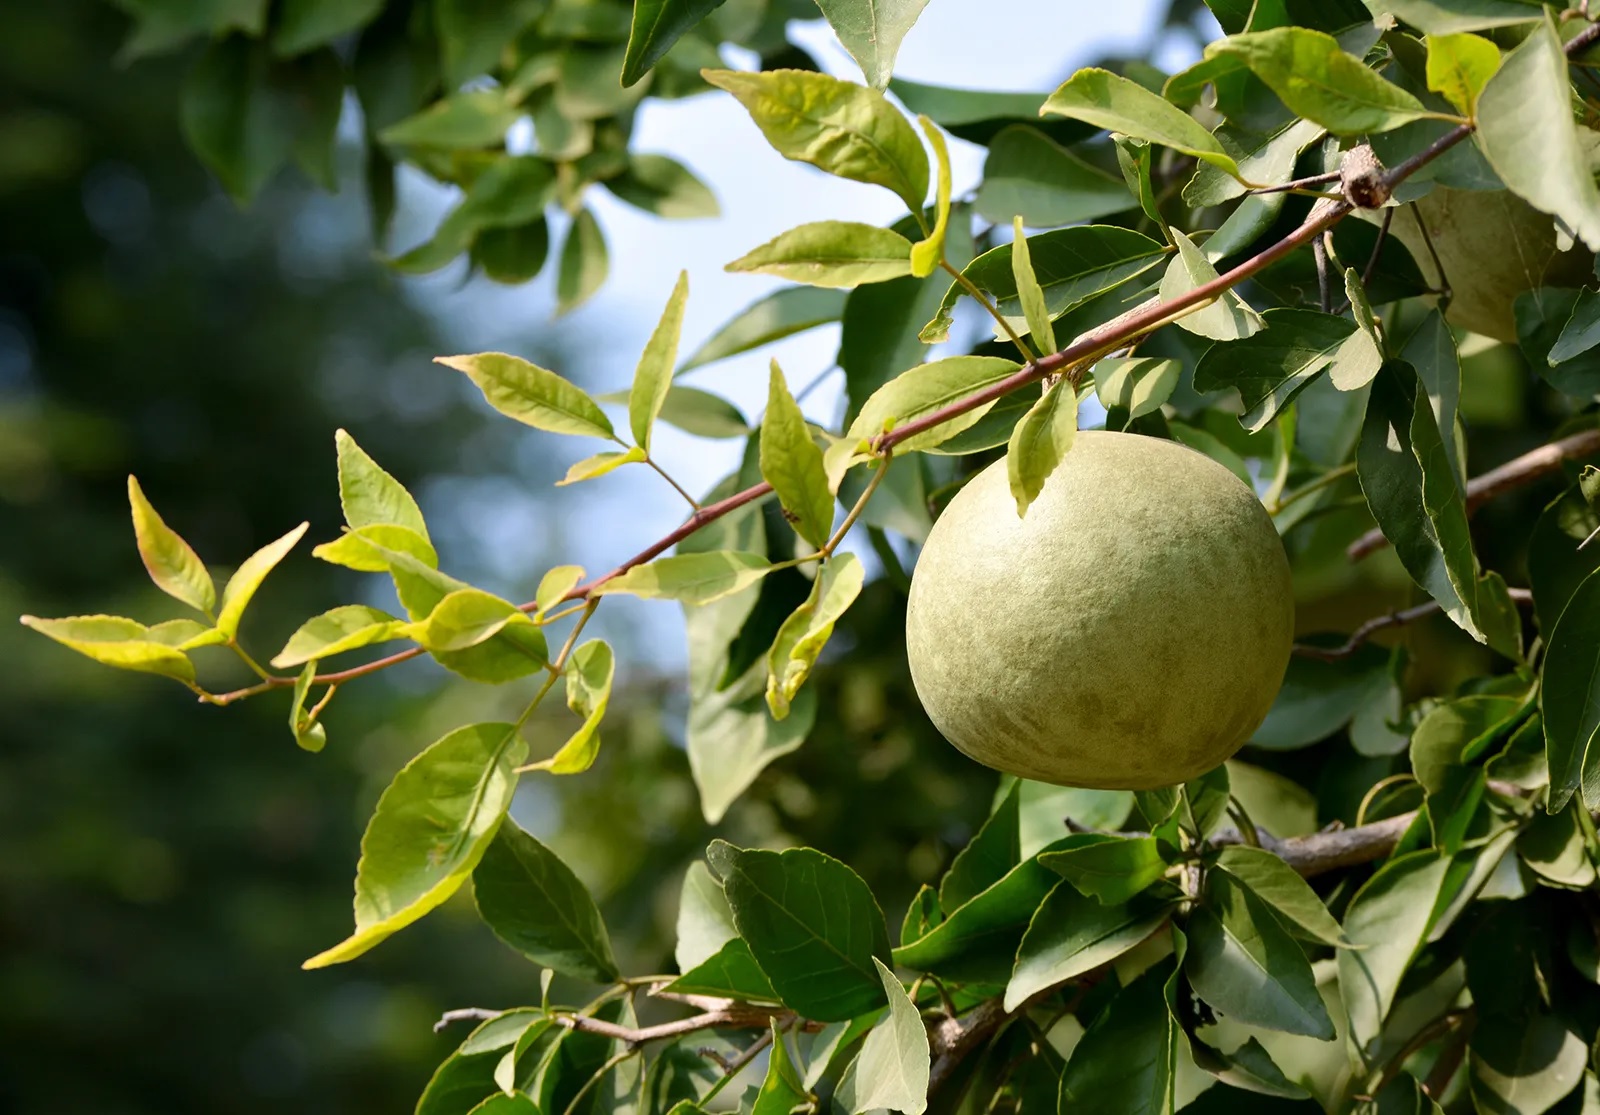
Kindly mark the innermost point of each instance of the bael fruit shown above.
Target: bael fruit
(1492, 246)
(1130, 632)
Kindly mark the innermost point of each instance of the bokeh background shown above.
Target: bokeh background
(165, 867)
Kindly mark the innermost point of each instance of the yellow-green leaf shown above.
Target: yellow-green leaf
(337, 630)
(554, 586)
(242, 585)
(116, 641)
(1459, 66)
(309, 734)
(1031, 295)
(355, 549)
(429, 831)
(845, 129)
(172, 563)
(690, 578)
(532, 395)
(926, 388)
(464, 618)
(1039, 441)
(369, 495)
(926, 254)
(803, 635)
(831, 254)
(653, 378)
(589, 675)
(1106, 100)
(792, 463)
(184, 634)
(600, 464)
(1228, 318)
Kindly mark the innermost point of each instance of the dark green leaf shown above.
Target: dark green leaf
(236, 116)
(1582, 331)
(657, 25)
(811, 924)
(986, 859)
(1125, 1063)
(1556, 566)
(984, 931)
(510, 193)
(513, 255)
(303, 24)
(729, 973)
(584, 262)
(1071, 934)
(778, 315)
(1387, 921)
(1541, 317)
(1110, 868)
(1318, 698)
(1523, 1066)
(1289, 896)
(1029, 175)
(1569, 699)
(464, 121)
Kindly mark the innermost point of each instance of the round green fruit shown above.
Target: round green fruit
(1130, 632)
(1492, 246)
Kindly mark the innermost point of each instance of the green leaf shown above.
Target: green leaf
(1244, 963)
(1556, 567)
(925, 389)
(1072, 266)
(1581, 332)
(1418, 502)
(690, 578)
(1387, 922)
(309, 735)
(1431, 350)
(466, 617)
(1542, 315)
(984, 931)
(1317, 80)
(512, 255)
(535, 904)
(460, 1083)
(893, 1068)
(1459, 66)
(1270, 162)
(657, 25)
(977, 115)
(1104, 99)
(431, 827)
(780, 314)
(831, 254)
(171, 562)
(1111, 869)
(369, 495)
(705, 920)
(792, 463)
(1071, 934)
(590, 672)
(1277, 363)
(664, 187)
(703, 414)
(1139, 385)
(1448, 17)
(584, 263)
(1523, 1066)
(237, 117)
(1526, 131)
(472, 34)
(1229, 318)
(1555, 848)
(242, 586)
(115, 641)
(1040, 441)
(847, 130)
(162, 27)
(303, 24)
(872, 30)
(600, 464)
(1288, 895)
(987, 858)
(729, 973)
(348, 627)
(782, 1089)
(800, 640)
(653, 377)
(811, 924)
(1126, 1062)
(510, 193)
(531, 394)
(1569, 699)
(928, 253)
(1034, 308)
(366, 549)
(1029, 175)
(463, 121)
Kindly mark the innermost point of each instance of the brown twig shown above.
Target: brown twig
(1393, 619)
(734, 1016)
(1298, 183)
(1515, 473)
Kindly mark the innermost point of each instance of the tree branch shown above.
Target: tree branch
(1515, 473)
(734, 1016)
(1377, 623)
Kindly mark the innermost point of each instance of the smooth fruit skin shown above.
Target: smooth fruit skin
(1493, 246)
(1130, 632)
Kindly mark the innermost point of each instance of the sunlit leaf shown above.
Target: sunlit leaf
(792, 463)
(803, 635)
(590, 672)
(348, 627)
(1072, 934)
(893, 1067)
(690, 578)
(1040, 441)
(531, 394)
(1459, 66)
(928, 253)
(600, 464)
(831, 254)
(1106, 100)
(369, 495)
(242, 586)
(923, 390)
(1229, 318)
(653, 377)
(116, 641)
(171, 562)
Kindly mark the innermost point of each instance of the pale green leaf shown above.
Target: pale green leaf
(831, 254)
(1108, 868)
(845, 129)
(309, 734)
(430, 829)
(1449, 17)
(872, 30)
(1040, 441)
(927, 254)
(1524, 1066)
(792, 463)
(531, 394)
(1139, 385)
(780, 314)
(653, 377)
(690, 578)
(805, 632)
(1071, 934)
(554, 586)
(1228, 318)
(369, 495)
(474, 119)
(1106, 100)
(464, 618)
(1126, 1063)
(1459, 66)
(590, 672)
(115, 641)
(893, 1067)
(171, 562)
(601, 463)
(242, 586)
(348, 627)
(925, 389)
(1387, 921)
(705, 921)
(782, 1090)
(583, 264)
